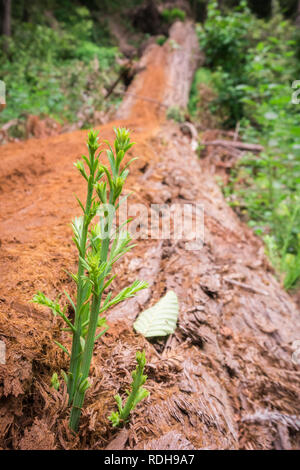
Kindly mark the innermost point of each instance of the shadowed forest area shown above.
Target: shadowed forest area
(139, 332)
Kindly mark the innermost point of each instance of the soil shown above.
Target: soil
(225, 379)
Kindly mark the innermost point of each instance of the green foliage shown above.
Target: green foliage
(137, 393)
(160, 40)
(175, 113)
(225, 37)
(97, 253)
(266, 191)
(159, 320)
(253, 64)
(203, 95)
(173, 14)
(55, 382)
(56, 71)
(245, 51)
(225, 41)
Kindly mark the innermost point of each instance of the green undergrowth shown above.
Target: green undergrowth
(250, 67)
(58, 67)
(173, 14)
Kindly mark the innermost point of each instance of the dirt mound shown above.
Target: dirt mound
(225, 379)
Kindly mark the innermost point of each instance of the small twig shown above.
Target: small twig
(126, 74)
(237, 130)
(113, 86)
(167, 345)
(245, 286)
(145, 98)
(239, 145)
(9, 124)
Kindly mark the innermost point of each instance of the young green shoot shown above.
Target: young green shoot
(98, 250)
(137, 393)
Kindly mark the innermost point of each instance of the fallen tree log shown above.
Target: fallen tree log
(166, 75)
(237, 359)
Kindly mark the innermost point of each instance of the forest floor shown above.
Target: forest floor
(225, 379)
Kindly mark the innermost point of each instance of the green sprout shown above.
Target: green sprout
(54, 381)
(98, 250)
(137, 394)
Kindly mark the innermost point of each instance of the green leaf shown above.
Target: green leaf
(159, 320)
(41, 299)
(70, 300)
(54, 381)
(119, 402)
(137, 393)
(62, 347)
(128, 292)
(114, 418)
(101, 333)
(64, 376)
(80, 203)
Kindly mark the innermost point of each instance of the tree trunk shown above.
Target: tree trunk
(182, 56)
(6, 26)
(297, 22)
